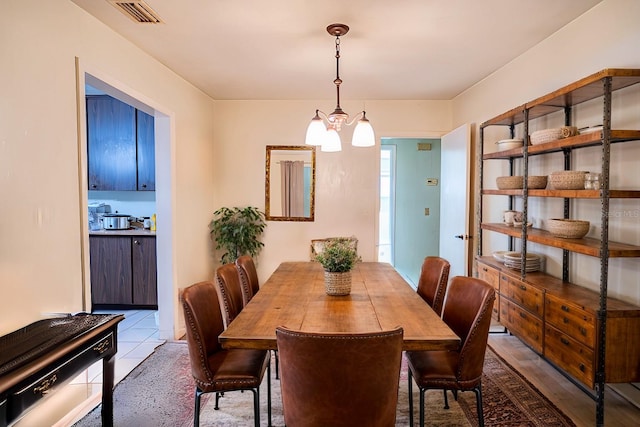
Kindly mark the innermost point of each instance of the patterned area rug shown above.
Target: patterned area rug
(159, 392)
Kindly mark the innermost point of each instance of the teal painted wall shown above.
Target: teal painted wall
(416, 235)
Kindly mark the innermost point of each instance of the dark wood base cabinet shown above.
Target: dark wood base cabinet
(123, 271)
(558, 320)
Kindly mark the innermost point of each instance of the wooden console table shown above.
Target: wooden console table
(43, 355)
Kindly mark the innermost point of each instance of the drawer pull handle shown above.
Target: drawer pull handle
(524, 316)
(103, 346)
(523, 287)
(564, 341)
(565, 308)
(583, 331)
(484, 269)
(565, 320)
(45, 385)
(582, 367)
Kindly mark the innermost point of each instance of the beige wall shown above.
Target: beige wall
(347, 181)
(42, 224)
(605, 37)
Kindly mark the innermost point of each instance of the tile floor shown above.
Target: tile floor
(137, 338)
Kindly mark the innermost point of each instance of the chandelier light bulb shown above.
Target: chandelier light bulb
(363, 135)
(331, 141)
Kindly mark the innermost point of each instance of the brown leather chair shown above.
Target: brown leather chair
(229, 292)
(248, 278)
(467, 311)
(215, 369)
(250, 286)
(339, 379)
(433, 281)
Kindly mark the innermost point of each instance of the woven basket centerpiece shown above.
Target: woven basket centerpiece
(568, 228)
(548, 135)
(567, 180)
(337, 283)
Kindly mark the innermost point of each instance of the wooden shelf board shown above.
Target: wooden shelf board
(585, 246)
(567, 194)
(585, 89)
(579, 141)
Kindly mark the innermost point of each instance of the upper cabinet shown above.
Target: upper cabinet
(120, 146)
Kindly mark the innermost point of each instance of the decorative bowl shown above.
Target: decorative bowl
(568, 228)
(509, 182)
(507, 144)
(567, 180)
(537, 182)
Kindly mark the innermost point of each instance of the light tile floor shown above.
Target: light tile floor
(137, 339)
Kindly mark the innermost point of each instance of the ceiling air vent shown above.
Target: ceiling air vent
(137, 10)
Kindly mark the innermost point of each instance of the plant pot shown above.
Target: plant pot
(337, 283)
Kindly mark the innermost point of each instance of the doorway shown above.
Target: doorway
(163, 193)
(409, 220)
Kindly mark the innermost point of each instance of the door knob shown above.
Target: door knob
(459, 236)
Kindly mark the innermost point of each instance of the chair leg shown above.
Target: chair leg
(446, 399)
(218, 395)
(422, 392)
(256, 406)
(275, 352)
(269, 393)
(196, 409)
(478, 392)
(410, 383)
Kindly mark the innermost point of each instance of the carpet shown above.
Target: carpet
(159, 392)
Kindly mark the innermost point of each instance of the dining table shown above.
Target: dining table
(380, 299)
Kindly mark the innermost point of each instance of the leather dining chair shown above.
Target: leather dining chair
(467, 311)
(229, 292)
(250, 286)
(215, 369)
(248, 278)
(433, 281)
(336, 379)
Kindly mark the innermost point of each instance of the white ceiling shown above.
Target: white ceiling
(279, 49)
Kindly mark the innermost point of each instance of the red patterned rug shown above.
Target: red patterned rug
(159, 392)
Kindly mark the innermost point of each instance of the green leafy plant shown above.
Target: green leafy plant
(237, 232)
(338, 256)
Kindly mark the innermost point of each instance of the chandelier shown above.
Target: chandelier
(326, 136)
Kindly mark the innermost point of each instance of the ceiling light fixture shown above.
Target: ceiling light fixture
(327, 135)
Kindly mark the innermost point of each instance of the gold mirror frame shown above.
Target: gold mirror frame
(272, 190)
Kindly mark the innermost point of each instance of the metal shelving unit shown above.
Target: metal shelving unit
(598, 85)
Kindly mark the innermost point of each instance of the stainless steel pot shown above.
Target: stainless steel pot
(115, 222)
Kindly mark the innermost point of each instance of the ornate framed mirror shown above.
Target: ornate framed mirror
(290, 182)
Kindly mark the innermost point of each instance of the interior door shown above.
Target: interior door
(455, 200)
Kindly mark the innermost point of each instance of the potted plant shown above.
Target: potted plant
(237, 232)
(338, 258)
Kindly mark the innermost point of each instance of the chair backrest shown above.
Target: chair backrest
(248, 278)
(467, 311)
(203, 321)
(229, 292)
(433, 281)
(339, 379)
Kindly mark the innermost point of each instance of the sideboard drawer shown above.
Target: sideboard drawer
(571, 319)
(524, 325)
(525, 295)
(490, 275)
(570, 355)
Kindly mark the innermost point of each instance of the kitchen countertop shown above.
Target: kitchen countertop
(127, 232)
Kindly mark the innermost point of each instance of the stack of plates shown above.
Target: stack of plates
(513, 260)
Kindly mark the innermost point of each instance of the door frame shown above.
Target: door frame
(165, 189)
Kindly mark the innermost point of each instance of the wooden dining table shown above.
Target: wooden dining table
(380, 299)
